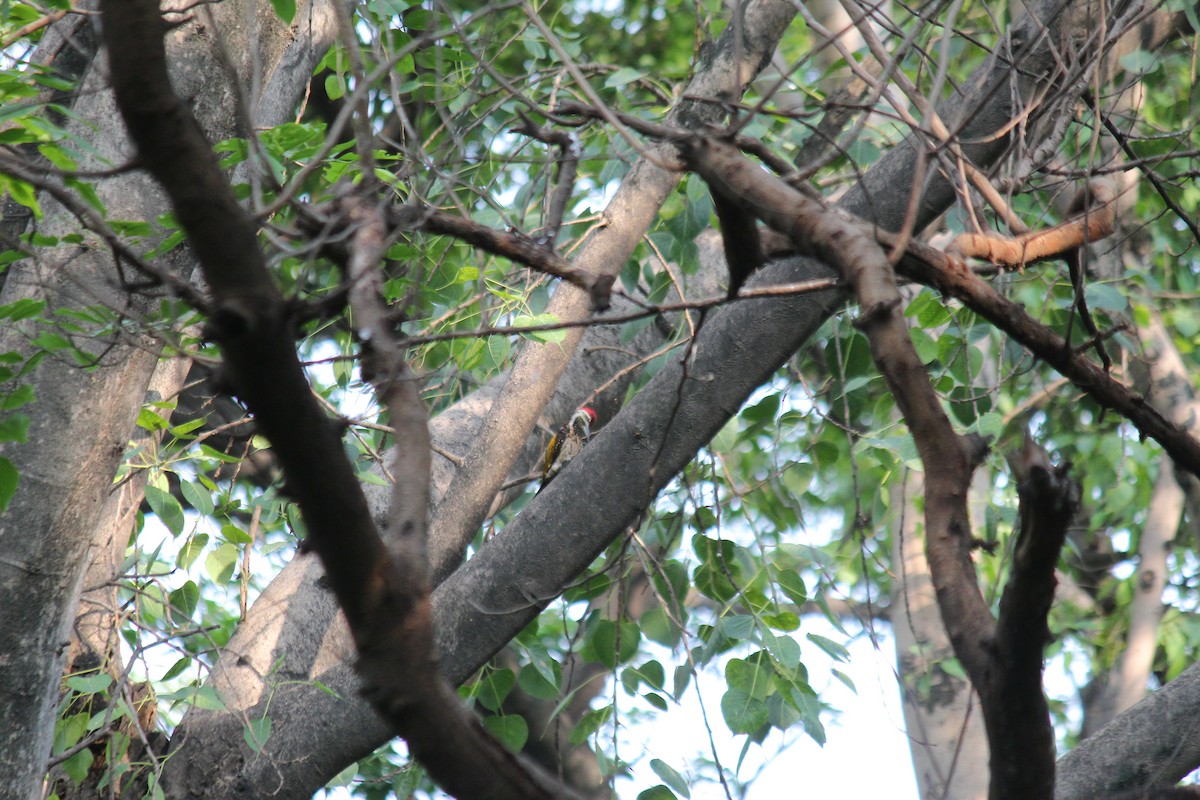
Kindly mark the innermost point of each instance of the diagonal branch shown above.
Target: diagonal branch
(933, 268)
(738, 54)
(849, 245)
(1003, 660)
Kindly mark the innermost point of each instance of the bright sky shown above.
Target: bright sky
(866, 746)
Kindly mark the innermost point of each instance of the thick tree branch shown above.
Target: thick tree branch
(1019, 733)
(850, 245)
(383, 592)
(84, 417)
(1004, 662)
(734, 59)
(1096, 220)
(932, 268)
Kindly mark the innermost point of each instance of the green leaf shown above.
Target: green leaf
(202, 697)
(783, 621)
(785, 650)
(832, 648)
(9, 477)
(492, 690)
(656, 700)
(166, 508)
(743, 713)
(256, 732)
(925, 345)
(177, 668)
(952, 666)
(22, 309)
(89, 684)
(79, 765)
(657, 626)
(220, 562)
(511, 730)
(151, 420)
(549, 336)
(590, 723)
(344, 778)
(235, 535)
(184, 601)
(651, 673)
(211, 452)
(14, 428)
(726, 439)
(1104, 297)
(197, 496)
(533, 682)
(23, 193)
(185, 428)
(20, 396)
(780, 713)
(737, 626)
(658, 792)
(285, 9)
(603, 645)
(191, 550)
(670, 777)
(622, 77)
(989, 424)
(752, 677)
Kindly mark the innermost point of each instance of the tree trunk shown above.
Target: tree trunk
(84, 417)
(941, 712)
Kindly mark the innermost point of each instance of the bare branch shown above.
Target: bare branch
(512, 245)
(1096, 221)
(564, 181)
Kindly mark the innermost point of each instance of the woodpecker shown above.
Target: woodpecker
(567, 443)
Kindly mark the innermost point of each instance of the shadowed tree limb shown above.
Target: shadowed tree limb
(1004, 662)
(1019, 733)
(383, 590)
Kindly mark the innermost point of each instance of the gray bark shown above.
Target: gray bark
(1155, 743)
(294, 635)
(721, 75)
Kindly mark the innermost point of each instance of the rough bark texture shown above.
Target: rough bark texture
(1155, 743)
(295, 625)
(748, 341)
(53, 524)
